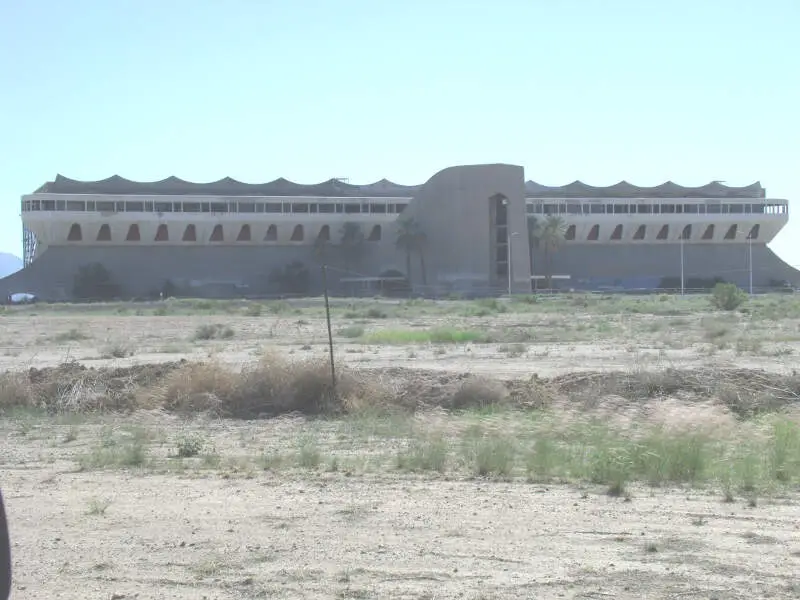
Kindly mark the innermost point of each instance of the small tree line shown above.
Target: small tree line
(546, 235)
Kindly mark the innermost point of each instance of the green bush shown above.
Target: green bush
(727, 296)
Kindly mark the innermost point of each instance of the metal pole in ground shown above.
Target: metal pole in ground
(330, 331)
(750, 259)
(683, 287)
(508, 258)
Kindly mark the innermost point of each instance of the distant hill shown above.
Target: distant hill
(9, 264)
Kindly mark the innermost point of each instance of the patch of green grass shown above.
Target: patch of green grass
(488, 455)
(190, 445)
(352, 331)
(428, 454)
(98, 507)
(442, 335)
(126, 449)
(128, 454)
(253, 310)
(308, 453)
(272, 460)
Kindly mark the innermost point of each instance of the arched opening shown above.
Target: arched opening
(162, 233)
(324, 234)
(272, 234)
(663, 233)
(569, 234)
(375, 234)
(75, 234)
(640, 232)
(731, 233)
(617, 234)
(104, 234)
(708, 234)
(686, 234)
(190, 234)
(244, 234)
(216, 234)
(133, 234)
(297, 234)
(594, 233)
(754, 231)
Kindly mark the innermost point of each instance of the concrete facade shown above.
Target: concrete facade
(473, 217)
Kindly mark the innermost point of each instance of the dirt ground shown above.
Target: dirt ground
(248, 533)
(235, 529)
(617, 342)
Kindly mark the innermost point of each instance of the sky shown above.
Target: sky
(597, 90)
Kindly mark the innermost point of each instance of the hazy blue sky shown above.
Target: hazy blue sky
(598, 90)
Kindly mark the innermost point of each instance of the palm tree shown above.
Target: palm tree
(351, 242)
(549, 236)
(322, 249)
(406, 241)
(534, 237)
(420, 245)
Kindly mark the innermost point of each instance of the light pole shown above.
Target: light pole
(510, 237)
(749, 239)
(683, 287)
(750, 259)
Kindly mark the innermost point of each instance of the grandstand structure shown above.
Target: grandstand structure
(473, 223)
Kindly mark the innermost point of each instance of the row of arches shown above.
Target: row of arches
(245, 234)
(663, 233)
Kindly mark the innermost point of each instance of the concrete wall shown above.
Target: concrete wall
(591, 266)
(144, 269)
(453, 208)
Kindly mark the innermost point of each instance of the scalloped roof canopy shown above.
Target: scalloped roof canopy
(116, 185)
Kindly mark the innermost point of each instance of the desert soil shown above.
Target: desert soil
(244, 532)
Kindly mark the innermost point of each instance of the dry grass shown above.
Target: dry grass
(270, 387)
(275, 385)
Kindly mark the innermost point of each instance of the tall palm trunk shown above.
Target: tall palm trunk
(422, 269)
(548, 267)
(408, 265)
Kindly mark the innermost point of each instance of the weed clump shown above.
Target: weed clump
(479, 393)
(271, 387)
(213, 331)
(727, 296)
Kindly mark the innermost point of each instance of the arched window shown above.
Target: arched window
(297, 234)
(189, 234)
(617, 234)
(708, 234)
(754, 231)
(731, 233)
(663, 233)
(272, 234)
(162, 233)
(104, 234)
(594, 233)
(325, 233)
(244, 234)
(570, 233)
(216, 234)
(75, 234)
(375, 234)
(686, 234)
(133, 234)
(640, 232)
